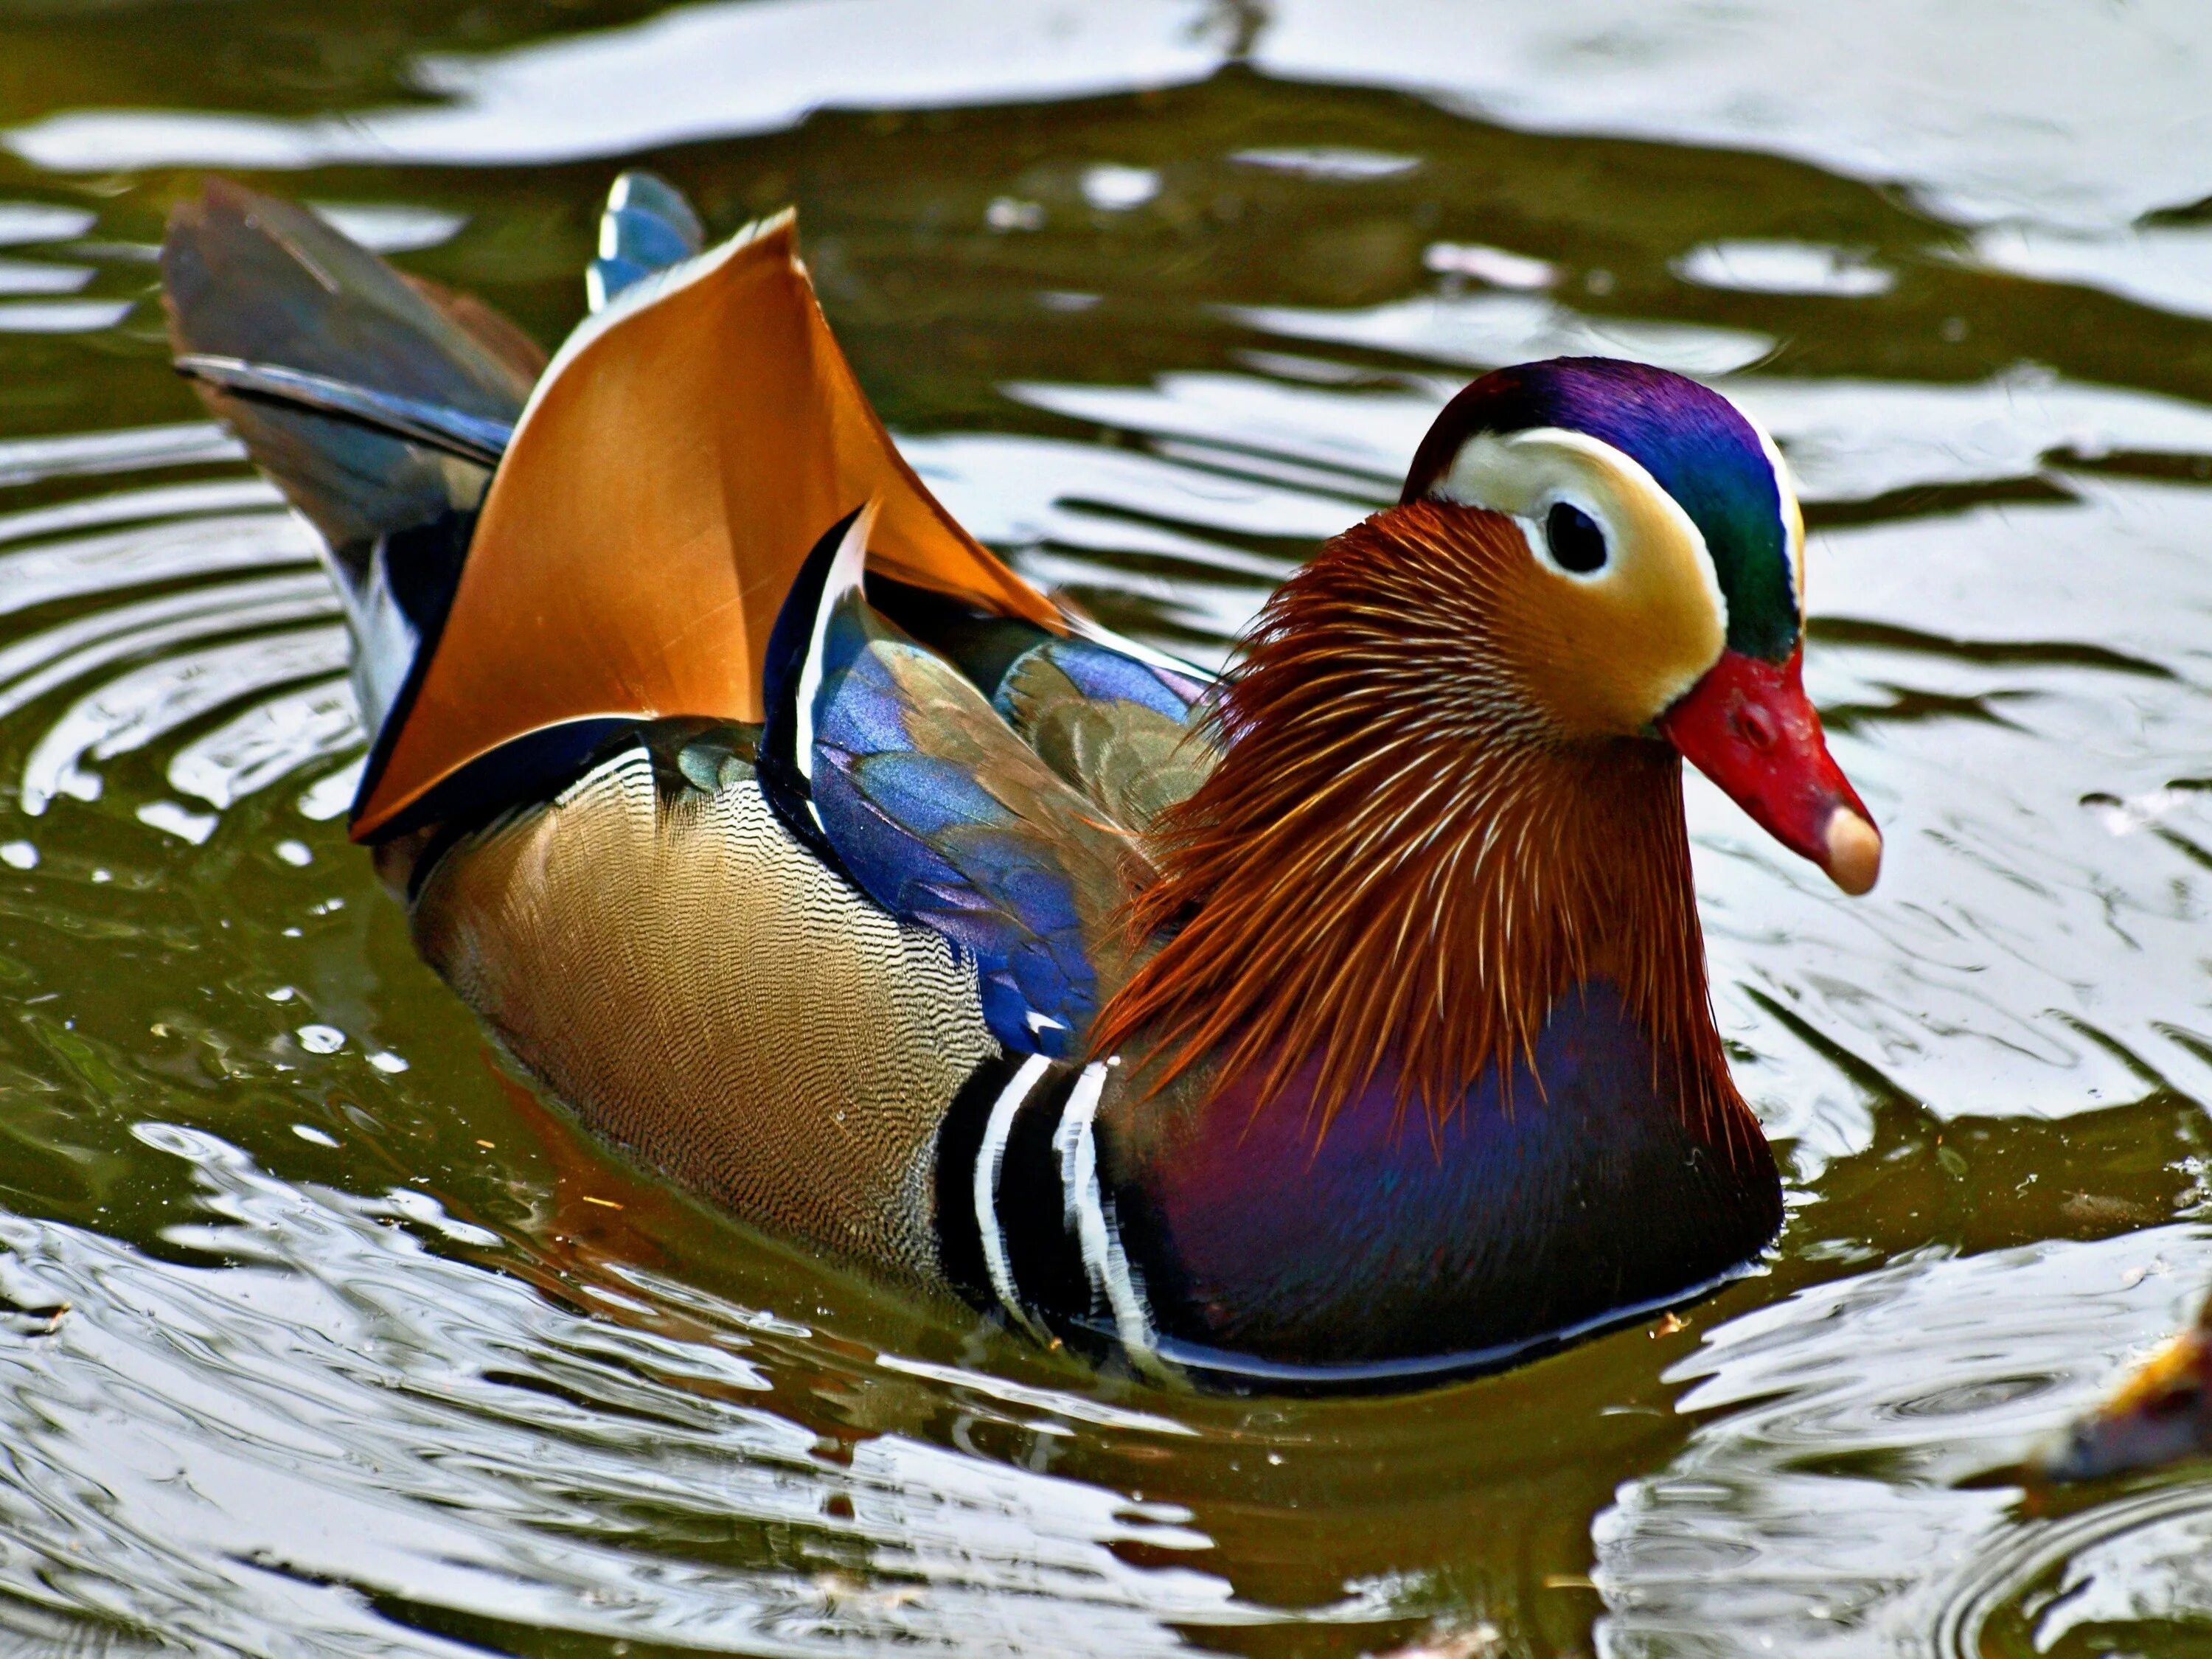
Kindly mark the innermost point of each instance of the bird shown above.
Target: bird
(2158, 1414)
(1341, 1020)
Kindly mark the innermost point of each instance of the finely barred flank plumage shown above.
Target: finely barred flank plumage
(1343, 1026)
(1401, 857)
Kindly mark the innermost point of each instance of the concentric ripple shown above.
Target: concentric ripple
(2136, 1568)
(1837, 1494)
(205, 638)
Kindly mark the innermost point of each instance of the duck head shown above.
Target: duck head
(1665, 588)
(1450, 790)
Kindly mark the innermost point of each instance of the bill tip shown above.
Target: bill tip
(1854, 852)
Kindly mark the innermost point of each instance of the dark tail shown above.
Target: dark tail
(268, 288)
(379, 403)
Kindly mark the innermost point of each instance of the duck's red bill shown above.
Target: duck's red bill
(1749, 727)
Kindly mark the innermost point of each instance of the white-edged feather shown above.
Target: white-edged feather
(843, 580)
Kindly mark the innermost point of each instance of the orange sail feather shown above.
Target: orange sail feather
(682, 454)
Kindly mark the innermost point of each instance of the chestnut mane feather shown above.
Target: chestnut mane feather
(1400, 863)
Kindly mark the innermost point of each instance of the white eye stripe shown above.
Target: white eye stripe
(1521, 473)
(1604, 651)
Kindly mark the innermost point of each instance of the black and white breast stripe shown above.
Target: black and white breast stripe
(1025, 1224)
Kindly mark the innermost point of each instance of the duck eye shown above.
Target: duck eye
(1577, 544)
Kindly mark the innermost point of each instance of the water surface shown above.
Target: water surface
(323, 1335)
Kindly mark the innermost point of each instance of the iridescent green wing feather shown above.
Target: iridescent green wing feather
(1129, 734)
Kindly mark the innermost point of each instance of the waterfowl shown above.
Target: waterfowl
(1340, 1021)
(2160, 1413)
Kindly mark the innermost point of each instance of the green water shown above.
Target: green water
(323, 1335)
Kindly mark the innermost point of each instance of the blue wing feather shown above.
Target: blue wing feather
(1101, 674)
(942, 816)
(647, 226)
(888, 761)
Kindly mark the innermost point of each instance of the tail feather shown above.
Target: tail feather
(501, 340)
(466, 437)
(272, 290)
(704, 422)
(266, 281)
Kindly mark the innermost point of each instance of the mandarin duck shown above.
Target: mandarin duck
(1342, 1020)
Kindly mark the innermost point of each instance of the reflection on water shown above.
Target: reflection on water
(304, 1412)
(1988, 107)
(1836, 1428)
(327, 1335)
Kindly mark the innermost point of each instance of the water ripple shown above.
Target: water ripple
(325, 1405)
(1824, 1504)
(164, 550)
(194, 443)
(269, 742)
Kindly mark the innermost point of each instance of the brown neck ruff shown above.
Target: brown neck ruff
(1401, 859)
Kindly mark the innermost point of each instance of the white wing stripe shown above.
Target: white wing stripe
(990, 1160)
(1104, 1259)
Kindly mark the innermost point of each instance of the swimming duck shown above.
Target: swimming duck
(2160, 1413)
(1341, 1021)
